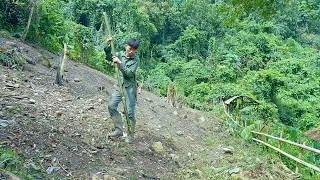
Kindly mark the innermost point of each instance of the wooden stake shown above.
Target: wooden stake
(300, 156)
(280, 143)
(65, 54)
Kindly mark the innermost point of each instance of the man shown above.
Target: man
(127, 62)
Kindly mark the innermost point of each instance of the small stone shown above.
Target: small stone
(90, 108)
(173, 156)
(58, 113)
(202, 119)
(179, 133)
(158, 148)
(61, 130)
(228, 150)
(175, 113)
(108, 177)
(32, 101)
(198, 172)
(9, 107)
(95, 177)
(76, 80)
(12, 85)
(189, 154)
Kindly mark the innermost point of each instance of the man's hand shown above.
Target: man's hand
(109, 39)
(115, 59)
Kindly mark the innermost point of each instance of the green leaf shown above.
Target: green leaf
(235, 170)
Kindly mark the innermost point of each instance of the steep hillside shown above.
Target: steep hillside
(60, 132)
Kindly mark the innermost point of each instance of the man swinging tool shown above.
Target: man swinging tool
(127, 62)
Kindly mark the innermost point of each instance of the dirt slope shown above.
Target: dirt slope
(62, 130)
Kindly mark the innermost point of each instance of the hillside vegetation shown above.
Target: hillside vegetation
(210, 50)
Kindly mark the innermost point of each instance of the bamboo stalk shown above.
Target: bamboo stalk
(290, 142)
(29, 20)
(281, 134)
(65, 54)
(289, 155)
(300, 156)
(108, 30)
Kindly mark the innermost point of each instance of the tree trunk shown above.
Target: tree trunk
(29, 20)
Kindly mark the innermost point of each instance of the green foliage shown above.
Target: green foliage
(157, 81)
(48, 25)
(263, 84)
(10, 161)
(192, 73)
(13, 15)
(83, 44)
(201, 97)
(10, 58)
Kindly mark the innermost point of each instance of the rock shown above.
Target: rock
(43, 60)
(8, 175)
(198, 172)
(32, 101)
(202, 119)
(108, 177)
(58, 113)
(76, 80)
(175, 113)
(4, 123)
(228, 150)
(9, 107)
(158, 148)
(148, 99)
(19, 97)
(3, 78)
(61, 130)
(189, 154)
(173, 157)
(95, 177)
(180, 133)
(10, 85)
(90, 108)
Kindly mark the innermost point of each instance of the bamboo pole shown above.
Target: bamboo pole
(288, 155)
(290, 142)
(108, 31)
(300, 156)
(65, 54)
(281, 134)
(29, 20)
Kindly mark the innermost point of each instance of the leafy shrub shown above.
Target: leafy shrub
(157, 81)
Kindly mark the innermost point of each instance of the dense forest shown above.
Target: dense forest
(211, 50)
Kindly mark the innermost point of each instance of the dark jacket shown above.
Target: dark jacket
(127, 68)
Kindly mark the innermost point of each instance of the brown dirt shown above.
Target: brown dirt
(66, 127)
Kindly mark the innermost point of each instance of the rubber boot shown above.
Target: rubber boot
(118, 127)
(129, 138)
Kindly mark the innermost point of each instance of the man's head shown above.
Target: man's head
(131, 46)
